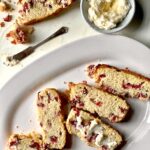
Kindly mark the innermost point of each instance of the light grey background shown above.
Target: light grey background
(139, 28)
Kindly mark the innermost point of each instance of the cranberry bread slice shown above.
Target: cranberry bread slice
(120, 81)
(92, 130)
(31, 141)
(32, 11)
(51, 119)
(97, 101)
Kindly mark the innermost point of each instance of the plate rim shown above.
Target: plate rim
(61, 47)
(58, 51)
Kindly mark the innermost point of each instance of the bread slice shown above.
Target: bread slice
(121, 82)
(51, 119)
(92, 130)
(97, 101)
(32, 11)
(31, 141)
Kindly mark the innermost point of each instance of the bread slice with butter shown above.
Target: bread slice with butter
(92, 131)
(97, 101)
(121, 82)
(50, 117)
(32, 11)
(31, 141)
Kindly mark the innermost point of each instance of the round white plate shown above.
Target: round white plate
(17, 97)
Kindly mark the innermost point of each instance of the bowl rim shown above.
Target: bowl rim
(113, 30)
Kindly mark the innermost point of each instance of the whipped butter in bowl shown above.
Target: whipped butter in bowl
(108, 16)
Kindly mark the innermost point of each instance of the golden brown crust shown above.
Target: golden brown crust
(123, 70)
(122, 82)
(33, 21)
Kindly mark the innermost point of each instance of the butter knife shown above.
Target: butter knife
(16, 58)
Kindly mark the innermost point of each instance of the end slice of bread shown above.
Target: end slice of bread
(49, 109)
(32, 11)
(121, 82)
(97, 101)
(31, 141)
(92, 130)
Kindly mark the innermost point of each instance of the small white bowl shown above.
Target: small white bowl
(84, 5)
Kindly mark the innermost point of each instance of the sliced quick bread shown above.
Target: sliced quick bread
(49, 109)
(121, 82)
(92, 130)
(32, 11)
(31, 141)
(97, 101)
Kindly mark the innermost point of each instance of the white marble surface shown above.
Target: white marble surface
(138, 29)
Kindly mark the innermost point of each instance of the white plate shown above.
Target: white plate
(17, 97)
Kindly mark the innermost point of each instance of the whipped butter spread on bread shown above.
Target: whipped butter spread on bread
(92, 131)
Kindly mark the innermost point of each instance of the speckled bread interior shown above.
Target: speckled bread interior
(50, 117)
(97, 101)
(121, 82)
(31, 141)
(35, 11)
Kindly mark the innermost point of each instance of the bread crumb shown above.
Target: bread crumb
(4, 6)
(2, 24)
(19, 34)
